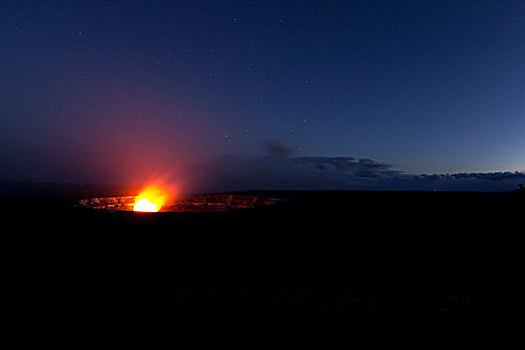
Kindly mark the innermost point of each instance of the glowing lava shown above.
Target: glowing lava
(151, 199)
(145, 205)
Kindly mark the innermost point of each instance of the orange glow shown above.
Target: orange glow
(151, 199)
(144, 205)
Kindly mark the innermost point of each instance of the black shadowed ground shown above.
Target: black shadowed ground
(315, 260)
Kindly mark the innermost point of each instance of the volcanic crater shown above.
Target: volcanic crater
(186, 203)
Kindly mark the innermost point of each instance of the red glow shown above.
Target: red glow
(158, 192)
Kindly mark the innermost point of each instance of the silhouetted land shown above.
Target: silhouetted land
(315, 261)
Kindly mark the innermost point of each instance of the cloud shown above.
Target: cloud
(365, 168)
(278, 172)
(278, 148)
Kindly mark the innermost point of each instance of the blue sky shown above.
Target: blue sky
(114, 90)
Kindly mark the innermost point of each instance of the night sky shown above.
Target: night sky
(112, 91)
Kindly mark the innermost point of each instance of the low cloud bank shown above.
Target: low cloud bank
(278, 172)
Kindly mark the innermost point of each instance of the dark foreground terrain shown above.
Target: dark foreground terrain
(315, 261)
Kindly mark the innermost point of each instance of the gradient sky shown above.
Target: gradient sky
(93, 90)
